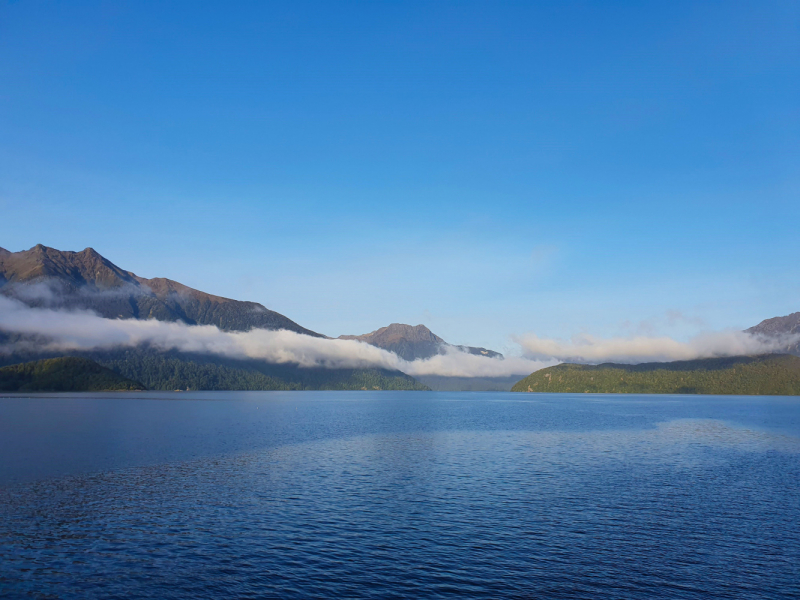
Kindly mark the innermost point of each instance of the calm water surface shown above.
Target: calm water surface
(399, 495)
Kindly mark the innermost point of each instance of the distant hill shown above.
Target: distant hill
(413, 342)
(65, 374)
(769, 374)
(780, 326)
(45, 276)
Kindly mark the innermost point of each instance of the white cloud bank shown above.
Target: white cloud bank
(590, 349)
(62, 330)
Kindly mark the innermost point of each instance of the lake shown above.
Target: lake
(399, 495)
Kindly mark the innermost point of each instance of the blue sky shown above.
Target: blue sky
(488, 169)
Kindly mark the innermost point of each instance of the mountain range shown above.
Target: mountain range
(45, 276)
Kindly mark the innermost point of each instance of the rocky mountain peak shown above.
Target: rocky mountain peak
(412, 342)
(88, 280)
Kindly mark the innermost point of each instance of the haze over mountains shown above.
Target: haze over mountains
(420, 343)
(168, 335)
(56, 283)
(53, 281)
(785, 328)
(763, 374)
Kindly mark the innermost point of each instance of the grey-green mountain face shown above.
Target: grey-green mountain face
(45, 276)
(414, 342)
(787, 327)
(417, 342)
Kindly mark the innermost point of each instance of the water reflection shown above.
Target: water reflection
(687, 508)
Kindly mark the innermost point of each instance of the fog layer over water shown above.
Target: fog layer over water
(303, 495)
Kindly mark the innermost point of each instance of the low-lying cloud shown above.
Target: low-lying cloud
(81, 330)
(54, 293)
(76, 330)
(455, 363)
(590, 349)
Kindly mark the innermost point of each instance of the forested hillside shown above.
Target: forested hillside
(768, 374)
(65, 374)
(173, 370)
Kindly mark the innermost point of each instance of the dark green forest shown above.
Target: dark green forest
(172, 370)
(772, 374)
(65, 374)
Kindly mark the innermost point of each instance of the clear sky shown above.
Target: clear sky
(488, 169)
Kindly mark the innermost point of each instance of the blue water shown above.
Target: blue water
(399, 495)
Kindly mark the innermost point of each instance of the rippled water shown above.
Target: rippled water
(399, 495)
